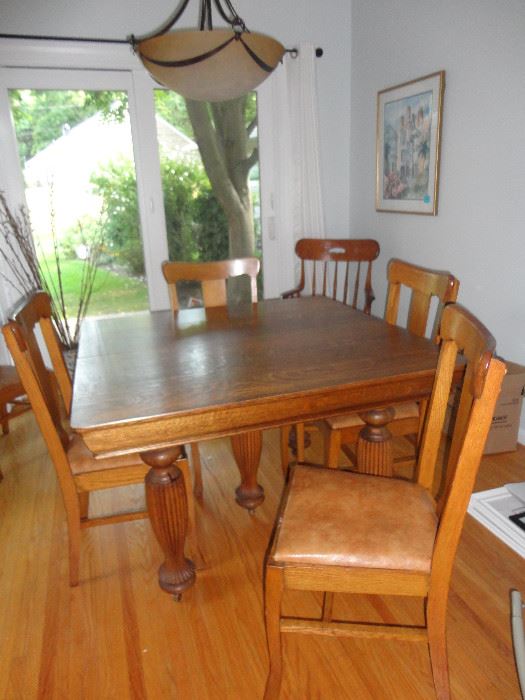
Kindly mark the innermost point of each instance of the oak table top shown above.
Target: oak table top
(148, 382)
(159, 378)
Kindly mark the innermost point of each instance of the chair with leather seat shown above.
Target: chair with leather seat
(338, 268)
(78, 472)
(339, 531)
(423, 285)
(213, 281)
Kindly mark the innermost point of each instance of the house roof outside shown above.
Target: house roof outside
(59, 192)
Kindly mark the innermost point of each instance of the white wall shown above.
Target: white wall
(479, 232)
(324, 24)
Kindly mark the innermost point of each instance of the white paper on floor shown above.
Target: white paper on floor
(492, 508)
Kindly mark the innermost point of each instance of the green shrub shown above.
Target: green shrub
(211, 227)
(196, 226)
(86, 232)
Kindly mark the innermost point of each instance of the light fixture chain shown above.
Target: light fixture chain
(206, 20)
(233, 19)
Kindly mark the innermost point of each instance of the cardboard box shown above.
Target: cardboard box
(503, 434)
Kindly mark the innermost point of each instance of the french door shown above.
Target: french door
(53, 182)
(84, 68)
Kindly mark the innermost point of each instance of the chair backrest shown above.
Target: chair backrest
(424, 284)
(32, 311)
(213, 277)
(332, 267)
(460, 333)
(35, 379)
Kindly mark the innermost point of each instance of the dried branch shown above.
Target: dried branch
(29, 272)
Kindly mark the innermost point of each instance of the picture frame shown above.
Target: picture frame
(408, 140)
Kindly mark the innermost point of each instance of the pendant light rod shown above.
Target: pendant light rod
(94, 40)
(48, 37)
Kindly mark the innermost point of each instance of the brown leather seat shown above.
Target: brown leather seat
(388, 523)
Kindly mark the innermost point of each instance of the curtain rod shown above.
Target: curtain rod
(293, 52)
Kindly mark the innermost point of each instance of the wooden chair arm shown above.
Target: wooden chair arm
(292, 293)
(369, 298)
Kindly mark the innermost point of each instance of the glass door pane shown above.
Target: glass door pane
(210, 178)
(76, 155)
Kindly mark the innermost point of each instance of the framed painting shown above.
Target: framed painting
(408, 143)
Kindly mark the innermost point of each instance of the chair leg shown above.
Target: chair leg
(285, 450)
(332, 448)
(197, 470)
(437, 644)
(73, 527)
(300, 441)
(273, 593)
(423, 406)
(83, 503)
(4, 418)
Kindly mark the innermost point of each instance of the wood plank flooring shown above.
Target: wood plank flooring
(118, 636)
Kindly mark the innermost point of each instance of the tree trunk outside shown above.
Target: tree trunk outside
(241, 231)
(227, 155)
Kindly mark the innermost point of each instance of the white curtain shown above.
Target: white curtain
(290, 166)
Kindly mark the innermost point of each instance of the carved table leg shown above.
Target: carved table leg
(247, 452)
(374, 445)
(168, 511)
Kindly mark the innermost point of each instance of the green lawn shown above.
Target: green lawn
(112, 292)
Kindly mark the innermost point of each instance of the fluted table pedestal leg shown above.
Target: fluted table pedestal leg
(374, 446)
(247, 452)
(168, 510)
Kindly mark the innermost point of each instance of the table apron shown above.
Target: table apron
(220, 421)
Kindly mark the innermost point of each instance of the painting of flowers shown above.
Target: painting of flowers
(408, 139)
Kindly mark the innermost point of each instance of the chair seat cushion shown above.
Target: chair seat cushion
(82, 461)
(409, 409)
(333, 517)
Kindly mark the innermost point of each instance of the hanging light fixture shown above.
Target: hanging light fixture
(206, 63)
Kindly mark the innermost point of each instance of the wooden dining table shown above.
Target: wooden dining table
(153, 382)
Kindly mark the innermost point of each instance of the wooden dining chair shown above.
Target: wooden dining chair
(339, 268)
(343, 532)
(423, 285)
(213, 279)
(78, 472)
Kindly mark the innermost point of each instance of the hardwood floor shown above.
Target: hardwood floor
(118, 636)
